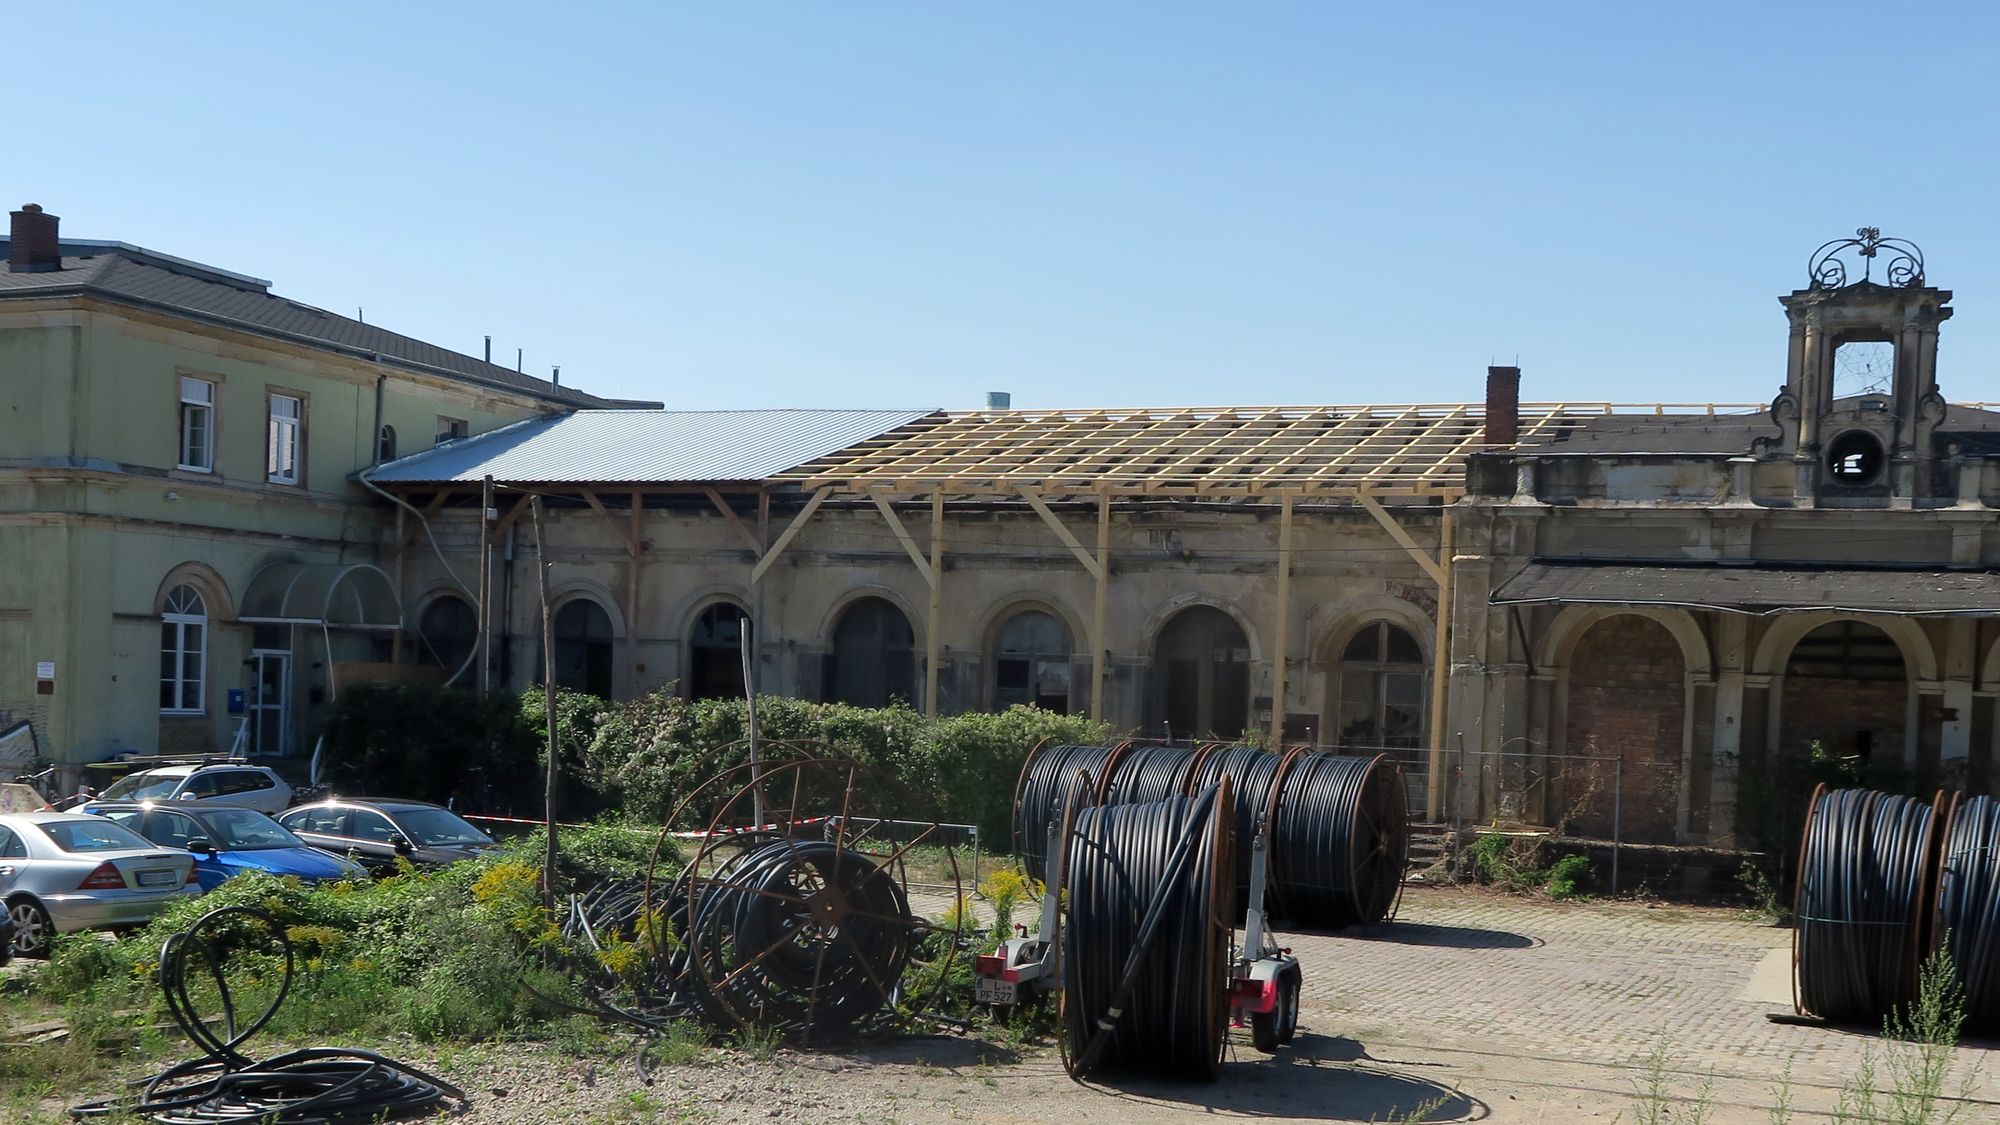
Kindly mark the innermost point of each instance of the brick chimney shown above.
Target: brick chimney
(1503, 405)
(33, 245)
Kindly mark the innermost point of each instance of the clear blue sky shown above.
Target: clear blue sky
(771, 204)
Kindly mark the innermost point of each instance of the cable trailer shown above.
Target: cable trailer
(1264, 979)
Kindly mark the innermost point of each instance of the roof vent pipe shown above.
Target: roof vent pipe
(555, 377)
(1503, 405)
(33, 245)
(489, 349)
(999, 400)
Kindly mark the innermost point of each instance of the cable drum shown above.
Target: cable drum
(1968, 908)
(1046, 775)
(1252, 773)
(1146, 947)
(1151, 773)
(1340, 840)
(1865, 871)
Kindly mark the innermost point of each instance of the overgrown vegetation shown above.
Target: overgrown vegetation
(1521, 863)
(1771, 806)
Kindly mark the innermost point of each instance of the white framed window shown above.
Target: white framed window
(451, 429)
(183, 651)
(197, 453)
(282, 448)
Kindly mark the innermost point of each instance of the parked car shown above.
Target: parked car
(232, 783)
(227, 841)
(63, 872)
(378, 831)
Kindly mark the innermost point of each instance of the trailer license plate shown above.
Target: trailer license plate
(156, 878)
(991, 991)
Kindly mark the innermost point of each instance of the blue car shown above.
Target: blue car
(227, 841)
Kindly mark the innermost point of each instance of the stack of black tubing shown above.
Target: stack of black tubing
(1145, 950)
(311, 1086)
(1862, 925)
(740, 945)
(1340, 841)
(1968, 909)
(1339, 824)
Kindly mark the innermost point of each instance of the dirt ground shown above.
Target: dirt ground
(1484, 1007)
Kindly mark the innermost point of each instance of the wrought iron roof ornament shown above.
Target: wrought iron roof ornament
(1904, 269)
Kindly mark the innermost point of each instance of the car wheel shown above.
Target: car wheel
(33, 929)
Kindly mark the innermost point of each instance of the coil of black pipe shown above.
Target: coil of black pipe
(1340, 840)
(1862, 911)
(1045, 777)
(308, 1086)
(1145, 949)
(1968, 908)
(1252, 772)
(1150, 773)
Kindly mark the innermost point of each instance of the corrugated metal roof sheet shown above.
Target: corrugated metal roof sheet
(153, 282)
(1758, 590)
(647, 446)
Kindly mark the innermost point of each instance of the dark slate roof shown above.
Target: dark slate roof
(133, 276)
(647, 446)
(1756, 590)
(1606, 434)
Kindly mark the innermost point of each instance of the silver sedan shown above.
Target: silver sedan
(62, 872)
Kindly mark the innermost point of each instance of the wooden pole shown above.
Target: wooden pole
(935, 641)
(1098, 647)
(484, 637)
(637, 536)
(1440, 666)
(548, 703)
(1279, 640)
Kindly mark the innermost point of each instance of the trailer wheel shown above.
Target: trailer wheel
(1289, 987)
(1264, 1029)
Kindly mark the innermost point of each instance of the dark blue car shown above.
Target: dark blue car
(227, 841)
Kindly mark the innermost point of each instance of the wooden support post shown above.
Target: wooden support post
(1402, 538)
(1440, 666)
(549, 700)
(895, 523)
(934, 636)
(485, 633)
(755, 540)
(1279, 640)
(791, 532)
(1090, 564)
(637, 518)
(1098, 641)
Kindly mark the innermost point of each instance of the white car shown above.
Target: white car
(233, 783)
(62, 872)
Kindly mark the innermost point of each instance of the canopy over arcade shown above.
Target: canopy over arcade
(326, 595)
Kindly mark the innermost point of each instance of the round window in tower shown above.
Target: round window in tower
(1855, 458)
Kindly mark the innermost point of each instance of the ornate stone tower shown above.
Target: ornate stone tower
(1860, 403)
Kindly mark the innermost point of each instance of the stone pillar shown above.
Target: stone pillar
(1725, 771)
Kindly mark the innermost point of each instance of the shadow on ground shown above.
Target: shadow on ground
(1314, 1078)
(1440, 937)
(942, 1051)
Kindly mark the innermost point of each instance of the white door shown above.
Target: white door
(270, 702)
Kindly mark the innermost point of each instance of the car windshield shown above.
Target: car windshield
(246, 830)
(143, 786)
(94, 835)
(438, 828)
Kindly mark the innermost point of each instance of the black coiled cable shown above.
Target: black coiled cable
(1865, 870)
(1048, 774)
(1145, 948)
(1251, 773)
(1340, 840)
(1968, 909)
(312, 1086)
(1150, 773)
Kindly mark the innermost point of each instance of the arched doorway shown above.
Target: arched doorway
(1379, 686)
(583, 648)
(1201, 673)
(715, 657)
(1628, 702)
(874, 655)
(1031, 662)
(1847, 691)
(447, 632)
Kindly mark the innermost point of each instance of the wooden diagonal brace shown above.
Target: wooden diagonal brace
(512, 514)
(791, 532)
(1430, 565)
(903, 536)
(631, 544)
(1090, 563)
(735, 521)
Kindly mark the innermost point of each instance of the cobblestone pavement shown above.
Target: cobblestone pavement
(1465, 971)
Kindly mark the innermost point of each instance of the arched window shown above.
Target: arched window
(1031, 663)
(386, 449)
(183, 651)
(874, 658)
(449, 631)
(1846, 692)
(1201, 669)
(715, 666)
(583, 648)
(1381, 689)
